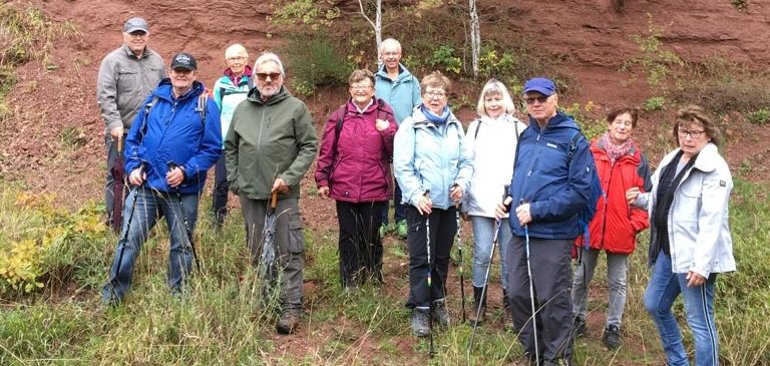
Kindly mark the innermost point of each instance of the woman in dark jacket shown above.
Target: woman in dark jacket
(621, 166)
(353, 170)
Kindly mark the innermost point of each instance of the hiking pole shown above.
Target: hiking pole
(531, 294)
(459, 240)
(496, 238)
(431, 350)
(124, 238)
(172, 166)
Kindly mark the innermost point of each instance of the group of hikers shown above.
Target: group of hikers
(525, 186)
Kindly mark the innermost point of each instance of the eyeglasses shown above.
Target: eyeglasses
(531, 100)
(138, 34)
(391, 53)
(360, 87)
(264, 75)
(236, 58)
(435, 94)
(692, 133)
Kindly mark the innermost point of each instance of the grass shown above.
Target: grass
(222, 320)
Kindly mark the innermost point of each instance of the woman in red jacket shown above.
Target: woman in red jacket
(620, 165)
(353, 169)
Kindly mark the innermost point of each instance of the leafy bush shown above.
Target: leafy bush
(654, 103)
(41, 242)
(760, 116)
(314, 61)
(444, 57)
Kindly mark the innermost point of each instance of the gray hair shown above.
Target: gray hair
(236, 49)
(390, 42)
(493, 86)
(269, 57)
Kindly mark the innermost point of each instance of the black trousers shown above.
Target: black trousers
(443, 226)
(552, 279)
(219, 199)
(360, 245)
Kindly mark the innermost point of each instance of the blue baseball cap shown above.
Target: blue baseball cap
(541, 85)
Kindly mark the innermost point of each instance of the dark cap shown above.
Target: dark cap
(541, 85)
(136, 24)
(183, 60)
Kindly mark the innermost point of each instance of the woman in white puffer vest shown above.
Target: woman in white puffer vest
(492, 138)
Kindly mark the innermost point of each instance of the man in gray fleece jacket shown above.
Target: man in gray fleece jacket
(127, 75)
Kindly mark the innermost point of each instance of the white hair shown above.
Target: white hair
(236, 50)
(269, 57)
(390, 42)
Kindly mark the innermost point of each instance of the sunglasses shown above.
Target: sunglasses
(531, 100)
(264, 75)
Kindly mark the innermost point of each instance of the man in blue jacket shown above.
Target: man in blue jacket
(172, 143)
(551, 184)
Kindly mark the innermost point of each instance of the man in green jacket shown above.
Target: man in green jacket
(269, 147)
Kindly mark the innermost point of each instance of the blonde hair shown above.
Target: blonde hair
(492, 87)
(436, 80)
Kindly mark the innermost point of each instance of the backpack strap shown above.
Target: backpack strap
(338, 130)
(147, 108)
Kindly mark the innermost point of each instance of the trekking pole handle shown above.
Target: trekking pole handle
(120, 144)
(274, 200)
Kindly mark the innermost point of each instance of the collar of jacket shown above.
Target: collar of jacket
(706, 161)
(631, 152)
(403, 73)
(164, 90)
(246, 73)
(256, 97)
(561, 119)
(130, 53)
(420, 121)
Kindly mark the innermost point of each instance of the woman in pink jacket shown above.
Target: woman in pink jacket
(353, 169)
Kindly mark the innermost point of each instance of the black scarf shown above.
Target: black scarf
(667, 185)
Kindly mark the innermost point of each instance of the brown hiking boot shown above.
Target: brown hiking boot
(289, 321)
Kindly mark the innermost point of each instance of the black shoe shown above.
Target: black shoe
(420, 323)
(612, 337)
(440, 314)
(289, 321)
(579, 326)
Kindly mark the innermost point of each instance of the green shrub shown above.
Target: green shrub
(654, 104)
(314, 61)
(655, 61)
(444, 57)
(759, 117)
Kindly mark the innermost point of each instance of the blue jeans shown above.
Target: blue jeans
(483, 235)
(664, 287)
(148, 206)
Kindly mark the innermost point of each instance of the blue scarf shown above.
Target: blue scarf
(440, 120)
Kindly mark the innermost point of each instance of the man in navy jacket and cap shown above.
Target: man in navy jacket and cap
(551, 184)
(173, 142)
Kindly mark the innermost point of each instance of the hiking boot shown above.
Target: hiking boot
(420, 322)
(402, 229)
(440, 314)
(478, 302)
(579, 326)
(612, 337)
(289, 321)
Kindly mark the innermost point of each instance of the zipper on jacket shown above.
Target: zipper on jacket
(606, 204)
(261, 127)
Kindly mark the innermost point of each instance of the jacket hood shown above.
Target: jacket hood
(164, 90)
(256, 97)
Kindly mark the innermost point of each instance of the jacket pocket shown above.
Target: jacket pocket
(296, 236)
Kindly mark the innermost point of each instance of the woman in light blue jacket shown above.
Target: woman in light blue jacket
(690, 241)
(433, 168)
(229, 90)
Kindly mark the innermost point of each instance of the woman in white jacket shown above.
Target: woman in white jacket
(492, 138)
(690, 239)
